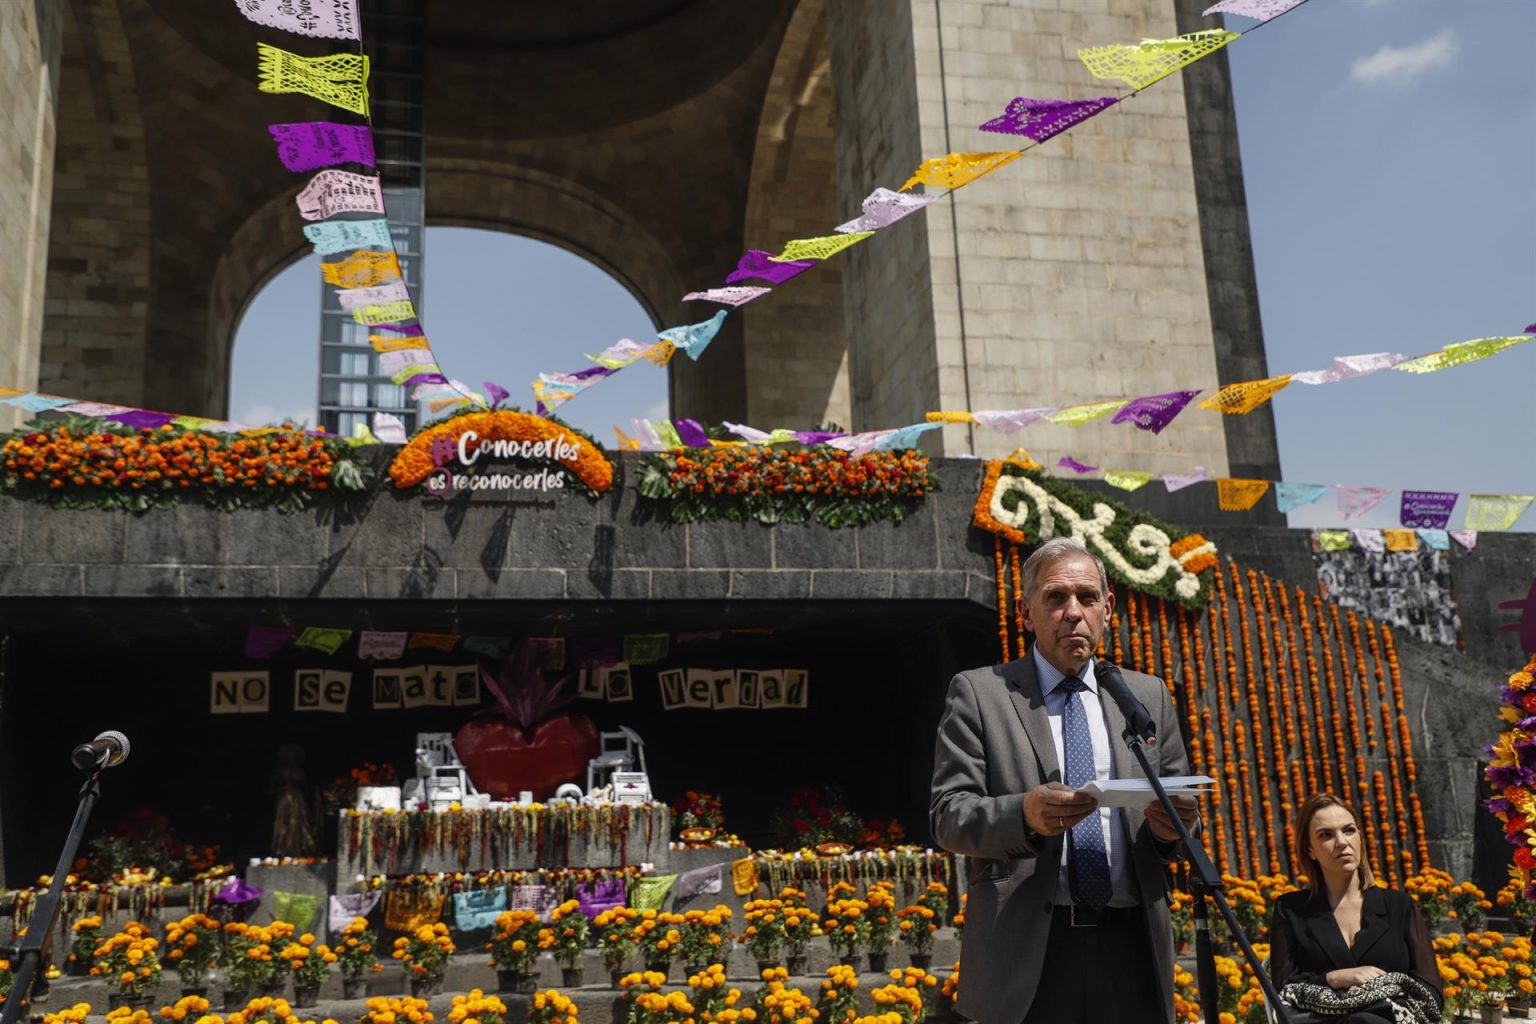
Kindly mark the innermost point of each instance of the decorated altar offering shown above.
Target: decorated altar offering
(442, 455)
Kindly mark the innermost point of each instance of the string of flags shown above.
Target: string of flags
(1137, 65)
(1392, 540)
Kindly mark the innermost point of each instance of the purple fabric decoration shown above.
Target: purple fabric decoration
(1530, 329)
(592, 898)
(496, 393)
(692, 433)
(266, 641)
(590, 372)
(1068, 462)
(1154, 412)
(810, 437)
(410, 328)
(426, 378)
(310, 145)
(592, 651)
(140, 419)
(236, 891)
(1042, 119)
(1429, 510)
(757, 263)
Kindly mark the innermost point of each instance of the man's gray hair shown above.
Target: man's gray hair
(1055, 550)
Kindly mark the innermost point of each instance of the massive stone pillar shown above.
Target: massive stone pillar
(1094, 267)
(30, 31)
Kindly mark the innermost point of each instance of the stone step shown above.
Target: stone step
(597, 1001)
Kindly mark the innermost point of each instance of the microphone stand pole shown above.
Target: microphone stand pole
(1204, 881)
(45, 912)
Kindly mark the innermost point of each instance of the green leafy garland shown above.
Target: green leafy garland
(786, 484)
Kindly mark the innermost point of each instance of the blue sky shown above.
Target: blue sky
(1389, 152)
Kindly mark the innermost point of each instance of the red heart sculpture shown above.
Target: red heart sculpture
(503, 759)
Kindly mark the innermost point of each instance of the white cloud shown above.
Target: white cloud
(656, 411)
(1397, 66)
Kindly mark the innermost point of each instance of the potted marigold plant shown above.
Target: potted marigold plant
(778, 1003)
(918, 923)
(192, 947)
(194, 1007)
(846, 923)
(73, 1015)
(424, 954)
(355, 956)
(712, 994)
(615, 939)
(839, 1000)
(514, 949)
(657, 936)
(311, 965)
(1431, 888)
(86, 936)
(905, 995)
(881, 897)
(246, 960)
(568, 941)
(799, 928)
(764, 934)
(128, 960)
(647, 1004)
(548, 1007)
(1469, 907)
(477, 1006)
(395, 1010)
(705, 938)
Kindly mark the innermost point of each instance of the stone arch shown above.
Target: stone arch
(795, 343)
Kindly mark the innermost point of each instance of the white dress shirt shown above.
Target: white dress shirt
(1111, 820)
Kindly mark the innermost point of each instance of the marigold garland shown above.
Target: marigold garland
(788, 484)
(1002, 599)
(1018, 600)
(1278, 851)
(1399, 809)
(1282, 724)
(589, 467)
(80, 462)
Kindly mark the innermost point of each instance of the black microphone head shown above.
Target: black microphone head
(118, 744)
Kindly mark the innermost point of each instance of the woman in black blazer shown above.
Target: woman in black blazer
(1343, 930)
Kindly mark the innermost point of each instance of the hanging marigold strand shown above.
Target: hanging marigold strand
(1131, 626)
(1297, 711)
(1218, 822)
(1002, 598)
(1347, 693)
(1018, 601)
(1114, 635)
(1263, 619)
(1337, 758)
(1253, 725)
(1248, 849)
(1147, 650)
(1304, 612)
(1365, 680)
(1282, 719)
(1399, 811)
(1380, 782)
(1406, 738)
(1165, 665)
(1223, 682)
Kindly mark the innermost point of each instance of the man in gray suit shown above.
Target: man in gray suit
(1067, 920)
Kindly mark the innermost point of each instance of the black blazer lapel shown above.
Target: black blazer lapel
(1324, 930)
(1029, 703)
(1374, 923)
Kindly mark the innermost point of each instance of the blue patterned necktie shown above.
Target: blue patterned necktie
(1087, 859)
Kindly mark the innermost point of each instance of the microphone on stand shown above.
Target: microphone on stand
(108, 750)
(1136, 717)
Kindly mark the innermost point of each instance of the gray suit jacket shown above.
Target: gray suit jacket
(994, 745)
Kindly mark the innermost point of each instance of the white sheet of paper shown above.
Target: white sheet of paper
(1138, 792)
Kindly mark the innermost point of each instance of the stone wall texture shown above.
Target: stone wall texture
(29, 82)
